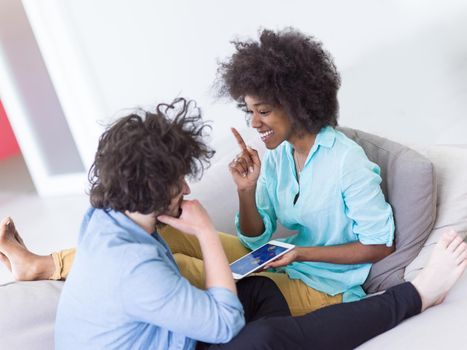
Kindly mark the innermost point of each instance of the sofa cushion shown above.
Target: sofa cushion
(28, 314)
(439, 327)
(409, 185)
(451, 171)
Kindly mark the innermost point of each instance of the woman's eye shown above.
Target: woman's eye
(264, 112)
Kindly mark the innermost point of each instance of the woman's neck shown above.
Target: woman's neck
(302, 144)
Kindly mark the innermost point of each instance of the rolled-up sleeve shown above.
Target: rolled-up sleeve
(266, 210)
(155, 293)
(372, 216)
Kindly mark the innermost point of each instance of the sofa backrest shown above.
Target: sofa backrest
(450, 163)
(409, 185)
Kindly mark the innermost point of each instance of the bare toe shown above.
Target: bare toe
(19, 239)
(447, 238)
(461, 258)
(4, 221)
(456, 242)
(461, 248)
(4, 227)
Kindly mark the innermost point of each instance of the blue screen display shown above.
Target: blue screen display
(256, 258)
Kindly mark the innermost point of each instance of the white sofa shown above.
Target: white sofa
(27, 309)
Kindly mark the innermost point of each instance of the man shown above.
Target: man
(125, 289)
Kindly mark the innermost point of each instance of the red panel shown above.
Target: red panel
(8, 145)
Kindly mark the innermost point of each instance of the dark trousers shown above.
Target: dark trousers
(340, 326)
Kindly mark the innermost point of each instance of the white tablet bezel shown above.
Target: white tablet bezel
(273, 242)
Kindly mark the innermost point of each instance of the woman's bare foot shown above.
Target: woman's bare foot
(23, 264)
(445, 266)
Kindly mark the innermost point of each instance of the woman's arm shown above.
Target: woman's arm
(350, 253)
(251, 223)
(245, 170)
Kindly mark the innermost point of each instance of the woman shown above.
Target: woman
(312, 179)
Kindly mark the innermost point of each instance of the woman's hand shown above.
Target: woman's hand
(193, 220)
(285, 259)
(246, 166)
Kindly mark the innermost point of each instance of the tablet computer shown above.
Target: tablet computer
(259, 258)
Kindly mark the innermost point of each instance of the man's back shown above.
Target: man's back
(125, 291)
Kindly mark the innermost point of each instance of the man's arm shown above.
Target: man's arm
(153, 292)
(195, 220)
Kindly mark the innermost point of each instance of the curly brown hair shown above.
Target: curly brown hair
(142, 157)
(285, 68)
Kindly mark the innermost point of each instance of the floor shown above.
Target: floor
(46, 224)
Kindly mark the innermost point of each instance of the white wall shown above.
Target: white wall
(403, 62)
(31, 103)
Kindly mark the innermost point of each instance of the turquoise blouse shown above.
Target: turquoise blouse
(340, 201)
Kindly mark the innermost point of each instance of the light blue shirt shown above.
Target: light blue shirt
(125, 292)
(340, 201)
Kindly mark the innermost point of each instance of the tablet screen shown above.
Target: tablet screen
(256, 258)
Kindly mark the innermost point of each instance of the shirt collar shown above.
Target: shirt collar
(325, 137)
(137, 232)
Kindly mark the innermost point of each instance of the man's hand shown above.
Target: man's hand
(285, 259)
(193, 220)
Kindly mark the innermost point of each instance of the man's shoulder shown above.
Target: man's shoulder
(112, 229)
(109, 242)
